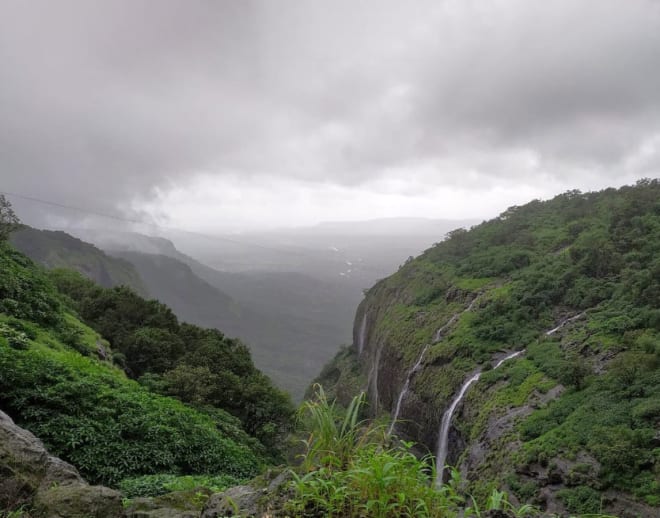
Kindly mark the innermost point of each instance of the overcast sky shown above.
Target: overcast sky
(228, 115)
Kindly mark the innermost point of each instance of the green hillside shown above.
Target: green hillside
(571, 424)
(56, 249)
(200, 406)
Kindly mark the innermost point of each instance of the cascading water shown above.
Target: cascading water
(563, 323)
(405, 388)
(443, 438)
(439, 334)
(362, 334)
(373, 385)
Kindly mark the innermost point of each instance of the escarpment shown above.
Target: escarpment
(569, 425)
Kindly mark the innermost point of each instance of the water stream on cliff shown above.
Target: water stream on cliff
(362, 334)
(439, 334)
(563, 323)
(443, 438)
(374, 380)
(405, 388)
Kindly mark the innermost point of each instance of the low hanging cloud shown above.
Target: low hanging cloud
(127, 106)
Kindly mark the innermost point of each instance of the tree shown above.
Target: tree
(8, 219)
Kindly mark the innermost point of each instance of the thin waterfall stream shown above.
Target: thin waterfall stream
(443, 438)
(362, 334)
(563, 323)
(405, 388)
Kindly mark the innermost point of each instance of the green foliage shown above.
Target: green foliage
(589, 254)
(349, 469)
(155, 485)
(110, 427)
(8, 219)
(57, 249)
(335, 438)
(25, 292)
(14, 338)
(198, 366)
(378, 482)
(581, 500)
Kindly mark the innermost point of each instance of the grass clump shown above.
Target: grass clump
(349, 469)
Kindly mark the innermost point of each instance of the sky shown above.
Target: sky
(235, 115)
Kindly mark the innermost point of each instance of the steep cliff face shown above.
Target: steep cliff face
(568, 290)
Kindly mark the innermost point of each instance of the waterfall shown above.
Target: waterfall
(374, 379)
(362, 334)
(443, 438)
(440, 332)
(405, 388)
(563, 323)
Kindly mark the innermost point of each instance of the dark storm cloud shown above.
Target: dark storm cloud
(101, 102)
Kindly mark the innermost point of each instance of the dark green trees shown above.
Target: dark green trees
(8, 220)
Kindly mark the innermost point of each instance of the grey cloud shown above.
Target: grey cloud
(102, 101)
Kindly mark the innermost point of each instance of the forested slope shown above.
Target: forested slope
(56, 249)
(571, 424)
(195, 405)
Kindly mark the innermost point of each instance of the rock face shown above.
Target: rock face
(264, 498)
(30, 475)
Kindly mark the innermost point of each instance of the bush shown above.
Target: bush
(581, 500)
(109, 427)
(155, 485)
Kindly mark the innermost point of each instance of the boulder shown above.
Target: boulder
(266, 496)
(236, 501)
(178, 504)
(30, 475)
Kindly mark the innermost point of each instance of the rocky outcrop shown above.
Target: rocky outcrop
(178, 504)
(29, 475)
(264, 497)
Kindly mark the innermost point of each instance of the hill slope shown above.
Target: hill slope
(572, 284)
(287, 345)
(62, 380)
(286, 318)
(56, 249)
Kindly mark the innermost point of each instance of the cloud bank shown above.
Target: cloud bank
(237, 114)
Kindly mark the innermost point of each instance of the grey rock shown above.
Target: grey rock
(30, 475)
(178, 504)
(236, 501)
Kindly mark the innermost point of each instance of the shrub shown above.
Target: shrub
(109, 427)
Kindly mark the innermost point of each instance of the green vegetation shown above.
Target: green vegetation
(586, 394)
(56, 249)
(8, 219)
(348, 470)
(199, 366)
(66, 383)
(155, 485)
(107, 426)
